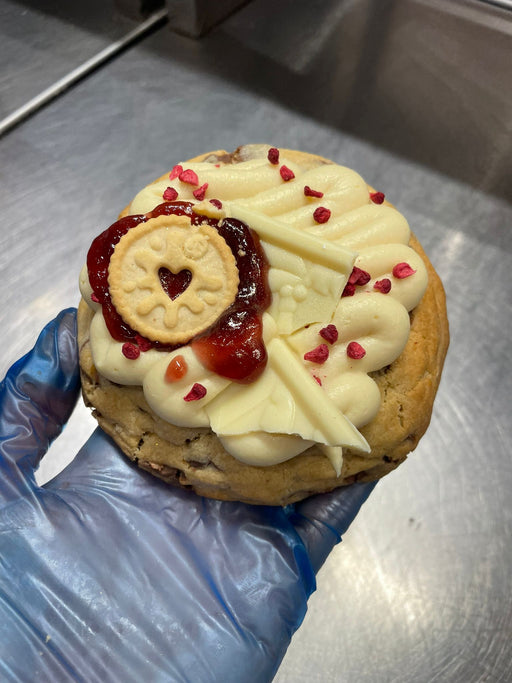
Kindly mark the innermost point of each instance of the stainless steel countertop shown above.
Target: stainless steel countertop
(420, 588)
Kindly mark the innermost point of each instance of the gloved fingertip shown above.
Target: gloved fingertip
(66, 336)
(38, 395)
(50, 369)
(67, 319)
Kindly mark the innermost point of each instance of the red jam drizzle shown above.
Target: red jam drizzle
(233, 347)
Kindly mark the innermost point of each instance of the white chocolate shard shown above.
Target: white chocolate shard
(287, 400)
(307, 275)
(335, 456)
(275, 231)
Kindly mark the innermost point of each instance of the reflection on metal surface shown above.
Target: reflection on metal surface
(507, 4)
(428, 80)
(81, 71)
(196, 17)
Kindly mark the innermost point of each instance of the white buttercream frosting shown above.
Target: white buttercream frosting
(295, 402)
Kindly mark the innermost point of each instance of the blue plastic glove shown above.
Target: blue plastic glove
(108, 574)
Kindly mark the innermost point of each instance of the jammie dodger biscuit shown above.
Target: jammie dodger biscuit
(261, 326)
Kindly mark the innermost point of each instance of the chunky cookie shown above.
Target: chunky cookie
(261, 326)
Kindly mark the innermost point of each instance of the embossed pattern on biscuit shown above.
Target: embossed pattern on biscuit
(164, 250)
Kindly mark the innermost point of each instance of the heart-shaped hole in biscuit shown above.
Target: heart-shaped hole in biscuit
(174, 284)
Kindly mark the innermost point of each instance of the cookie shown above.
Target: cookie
(302, 348)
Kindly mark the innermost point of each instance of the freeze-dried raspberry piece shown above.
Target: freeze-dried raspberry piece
(312, 193)
(318, 355)
(170, 194)
(175, 173)
(317, 380)
(383, 285)
(273, 155)
(95, 298)
(321, 215)
(350, 289)
(355, 351)
(377, 197)
(130, 351)
(286, 173)
(217, 203)
(197, 392)
(329, 333)
(200, 192)
(402, 270)
(358, 276)
(189, 176)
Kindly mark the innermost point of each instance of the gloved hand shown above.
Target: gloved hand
(108, 574)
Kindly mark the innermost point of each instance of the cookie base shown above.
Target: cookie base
(195, 458)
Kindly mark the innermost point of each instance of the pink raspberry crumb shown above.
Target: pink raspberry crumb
(175, 173)
(286, 173)
(318, 355)
(358, 276)
(197, 392)
(170, 194)
(355, 351)
(383, 285)
(130, 351)
(312, 193)
(200, 192)
(329, 333)
(189, 176)
(273, 155)
(350, 289)
(377, 197)
(321, 215)
(402, 270)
